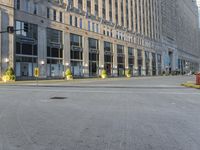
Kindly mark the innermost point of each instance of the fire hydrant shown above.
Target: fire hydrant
(198, 78)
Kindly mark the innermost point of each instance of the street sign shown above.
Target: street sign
(36, 72)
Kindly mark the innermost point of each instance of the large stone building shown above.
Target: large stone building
(90, 35)
(180, 35)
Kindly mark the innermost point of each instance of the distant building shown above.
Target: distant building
(88, 36)
(180, 35)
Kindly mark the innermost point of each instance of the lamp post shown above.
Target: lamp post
(6, 61)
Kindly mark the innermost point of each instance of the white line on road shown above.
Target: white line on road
(98, 91)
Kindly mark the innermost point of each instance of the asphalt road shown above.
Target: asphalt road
(153, 113)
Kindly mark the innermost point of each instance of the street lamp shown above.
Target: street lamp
(67, 64)
(6, 60)
(86, 65)
(42, 62)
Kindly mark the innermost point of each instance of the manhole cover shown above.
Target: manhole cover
(58, 97)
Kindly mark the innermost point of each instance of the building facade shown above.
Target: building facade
(180, 35)
(91, 35)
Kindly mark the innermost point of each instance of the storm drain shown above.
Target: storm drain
(58, 98)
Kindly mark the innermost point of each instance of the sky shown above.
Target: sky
(198, 2)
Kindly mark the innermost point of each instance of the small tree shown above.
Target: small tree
(104, 74)
(68, 74)
(9, 75)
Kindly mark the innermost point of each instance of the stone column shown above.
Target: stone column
(143, 63)
(135, 62)
(156, 20)
(148, 19)
(66, 51)
(145, 18)
(113, 12)
(75, 3)
(142, 16)
(107, 10)
(84, 5)
(42, 51)
(134, 16)
(85, 57)
(125, 15)
(156, 64)
(151, 17)
(150, 64)
(174, 60)
(100, 8)
(92, 7)
(129, 15)
(138, 16)
(101, 56)
(119, 14)
(126, 57)
(0, 46)
(6, 41)
(115, 67)
(11, 42)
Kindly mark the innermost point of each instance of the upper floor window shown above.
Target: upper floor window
(130, 51)
(54, 15)
(89, 25)
(35, 9)
(76, 40)
(80, 4)
(61, 17)
(93, 27)
(76, 22)
(120, 49)
(97, 28)
(27, 5)
(71, 20)
(54, 36)
(26, 29)
(108, 47)
(17, 4)
(93, 43)
(81, 22)
(48, 13)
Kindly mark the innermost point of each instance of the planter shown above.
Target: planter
(128, 75)
(69, 77)
(7, 78)
(103, 76)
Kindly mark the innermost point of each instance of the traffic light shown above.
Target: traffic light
(10, 29)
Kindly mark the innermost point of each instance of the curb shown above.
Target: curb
(62, 81)
(191, 85)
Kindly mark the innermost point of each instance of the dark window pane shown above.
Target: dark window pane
(61, 53)
(17, 48)
(35, 50)
(48, 52)
(54, 52)
(26, 49)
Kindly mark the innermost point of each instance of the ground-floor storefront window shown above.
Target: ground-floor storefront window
(121, 65)
(147, 63)
(24, 66)
(77, 68)
(108, 63)
(93, 64)
(154, 64)
(55, 68)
